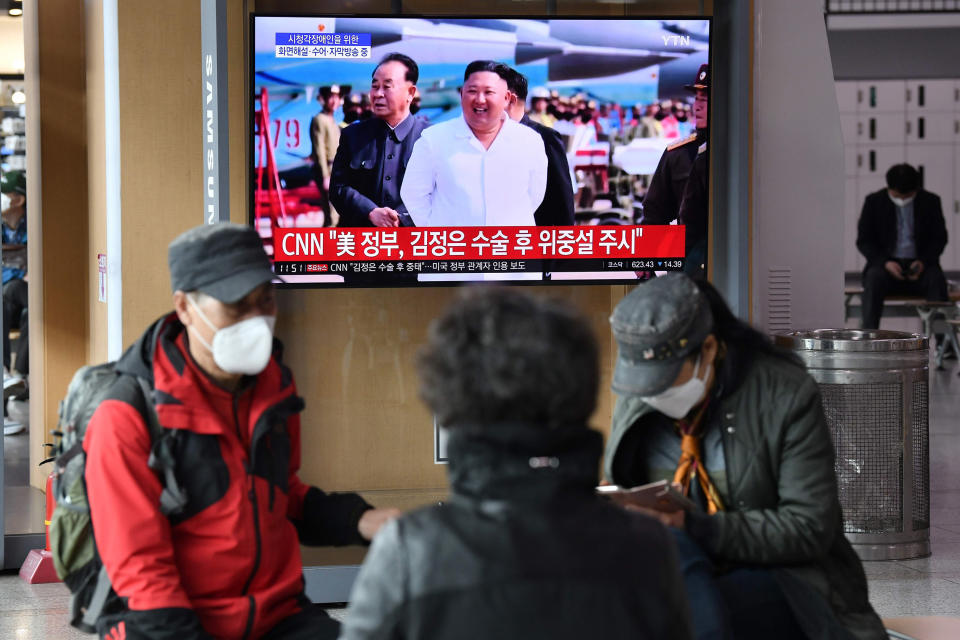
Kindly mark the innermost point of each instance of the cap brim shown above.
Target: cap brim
(236, 286)
(647, 378)
(694, 87)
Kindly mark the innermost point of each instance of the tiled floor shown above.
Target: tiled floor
(930, 586)
(28, 612)
(23, 505)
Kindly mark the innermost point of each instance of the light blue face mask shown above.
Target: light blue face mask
(677, 401)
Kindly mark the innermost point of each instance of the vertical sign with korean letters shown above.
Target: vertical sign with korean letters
(213, 41)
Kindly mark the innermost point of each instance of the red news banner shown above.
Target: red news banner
(478, 243)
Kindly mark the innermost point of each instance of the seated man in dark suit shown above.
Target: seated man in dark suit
(902, 234)
(557, 206)
(373, 154)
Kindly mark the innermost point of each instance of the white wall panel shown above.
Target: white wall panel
(847, 96)
(935, 127)
(883, 96)
(929, 95)
(883, 128)
(798, 164)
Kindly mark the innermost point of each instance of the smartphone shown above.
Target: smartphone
(660, 496)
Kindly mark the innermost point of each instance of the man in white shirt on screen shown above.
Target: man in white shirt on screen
(483, 169)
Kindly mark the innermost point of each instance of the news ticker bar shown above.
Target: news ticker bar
(639, 243)
(476, 266)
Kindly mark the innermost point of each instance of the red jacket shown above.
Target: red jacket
(232, 556)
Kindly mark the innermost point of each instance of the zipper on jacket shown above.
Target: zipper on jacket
(252, 494)
(251, 616)
(236, 418)
(256, 530)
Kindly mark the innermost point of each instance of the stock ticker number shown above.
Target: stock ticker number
(652, 265)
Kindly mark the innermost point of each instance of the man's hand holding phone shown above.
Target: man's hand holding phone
(915, 270)
(894, 269)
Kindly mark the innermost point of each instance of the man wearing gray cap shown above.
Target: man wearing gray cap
(708, 403)
(227, 564)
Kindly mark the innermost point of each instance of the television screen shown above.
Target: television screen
(395, 151)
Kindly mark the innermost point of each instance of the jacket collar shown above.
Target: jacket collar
(186, 397)
(463, 130)
(401, 130)
(518, 462)
(21, 227)
(631, 411)
(891, 208)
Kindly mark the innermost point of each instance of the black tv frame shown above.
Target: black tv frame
(251, 114)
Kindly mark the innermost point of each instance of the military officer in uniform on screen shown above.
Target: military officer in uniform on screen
(661, 205)
(694, 212)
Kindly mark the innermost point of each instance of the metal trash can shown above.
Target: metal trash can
(874, 388)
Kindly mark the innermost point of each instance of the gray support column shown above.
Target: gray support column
(213, 50)
(730, 152)
(797, 172)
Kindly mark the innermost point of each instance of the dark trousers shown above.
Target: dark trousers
(324, 196)
(746, 603)
(313, 623)
(15, 317)
(878, 283)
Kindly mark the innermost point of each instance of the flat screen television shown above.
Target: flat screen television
(434, 168)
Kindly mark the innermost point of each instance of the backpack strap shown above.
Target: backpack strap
(98, 599)
(172, 500)
(162, 460)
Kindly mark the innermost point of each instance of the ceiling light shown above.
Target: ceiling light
(18, 97)
(15, 12)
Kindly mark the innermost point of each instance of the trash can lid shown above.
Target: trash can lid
(875, 340)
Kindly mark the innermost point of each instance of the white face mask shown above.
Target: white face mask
(901, 202)
(676, 402)
(241, 348)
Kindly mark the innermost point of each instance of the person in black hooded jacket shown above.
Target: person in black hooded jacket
(523, 548)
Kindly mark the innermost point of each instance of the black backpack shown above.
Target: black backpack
(72, 542)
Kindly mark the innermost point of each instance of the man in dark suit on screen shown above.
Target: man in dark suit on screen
(902, 234)
(557, 206)
(373, 154)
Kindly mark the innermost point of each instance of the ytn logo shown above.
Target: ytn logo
(676, 41)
